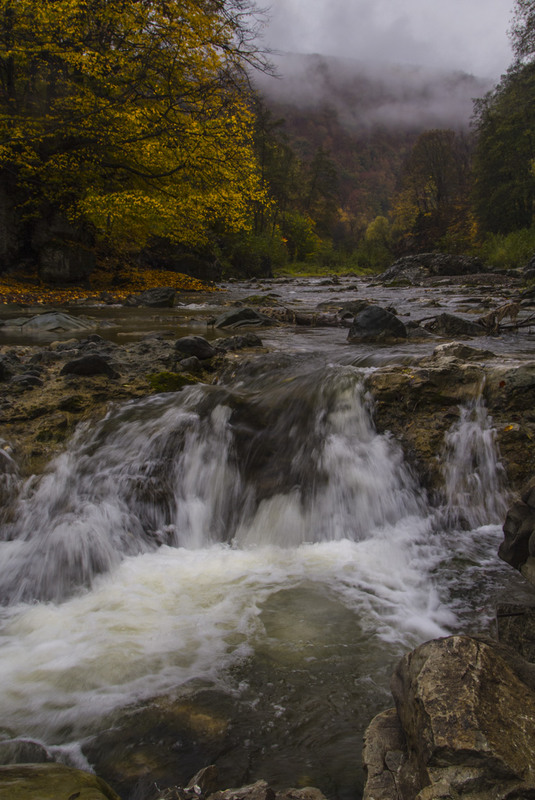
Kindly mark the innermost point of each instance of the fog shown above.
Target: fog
(366, 95)
(459, 35)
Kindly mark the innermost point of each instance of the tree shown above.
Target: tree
(522, 33)
(433, 201)
(131, 116)
(504, 184)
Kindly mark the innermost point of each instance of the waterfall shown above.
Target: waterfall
(290, 463)
(474, 478)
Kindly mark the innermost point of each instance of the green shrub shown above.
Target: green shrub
(509, 251)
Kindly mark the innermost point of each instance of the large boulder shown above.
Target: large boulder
(466, 709)
(51, 782)
(376, 324)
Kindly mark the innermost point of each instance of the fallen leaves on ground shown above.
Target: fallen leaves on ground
(111, 286)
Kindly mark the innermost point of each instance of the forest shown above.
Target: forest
(137, 133)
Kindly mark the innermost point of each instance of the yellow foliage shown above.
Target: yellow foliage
(132, 115)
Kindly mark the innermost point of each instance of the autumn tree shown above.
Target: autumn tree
(433, 201)
(130, 117)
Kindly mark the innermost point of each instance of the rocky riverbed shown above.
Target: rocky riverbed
(441, 351)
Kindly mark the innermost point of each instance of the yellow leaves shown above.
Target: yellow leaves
(29, 290)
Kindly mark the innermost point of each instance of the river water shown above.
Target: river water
(254, 553)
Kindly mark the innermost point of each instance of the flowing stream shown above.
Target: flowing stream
(229, 574)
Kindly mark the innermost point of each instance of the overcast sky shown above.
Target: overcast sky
(469, 35)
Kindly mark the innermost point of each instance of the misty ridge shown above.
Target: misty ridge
(368, 96)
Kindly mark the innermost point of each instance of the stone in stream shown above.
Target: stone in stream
(451, 325)
(159, 297)
(239, 342)
(196, 346)
(242, 317)
(376, 324)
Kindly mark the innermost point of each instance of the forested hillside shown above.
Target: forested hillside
(366, 139)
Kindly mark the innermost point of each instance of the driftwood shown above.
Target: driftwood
(492, 321)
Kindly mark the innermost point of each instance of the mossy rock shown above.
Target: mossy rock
(169, 381)
(51, 782)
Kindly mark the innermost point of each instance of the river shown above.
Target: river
(229, 574)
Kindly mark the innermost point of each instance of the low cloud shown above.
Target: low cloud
(367, 95)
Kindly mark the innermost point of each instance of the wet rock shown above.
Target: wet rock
(516, 628)
(385, 758)
(27, 380)
(160, 297)
(45, 357)
(451, 325)
(87, 365)
(239, 342)
(6, 368)
(255, 791)
(191, 364)
(51, 782)
(23, 751)
(51, 321)
(375, 324)
(460, 351)
(242, 317)
(518, 545)
(414, 269)
(455, 697)
(196, 346)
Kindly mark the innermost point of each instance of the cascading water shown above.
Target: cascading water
(474, 479)
(261, 540)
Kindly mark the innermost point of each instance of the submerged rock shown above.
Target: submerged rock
(242, 317)
(376, 324)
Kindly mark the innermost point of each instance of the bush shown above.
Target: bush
(509, 251)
